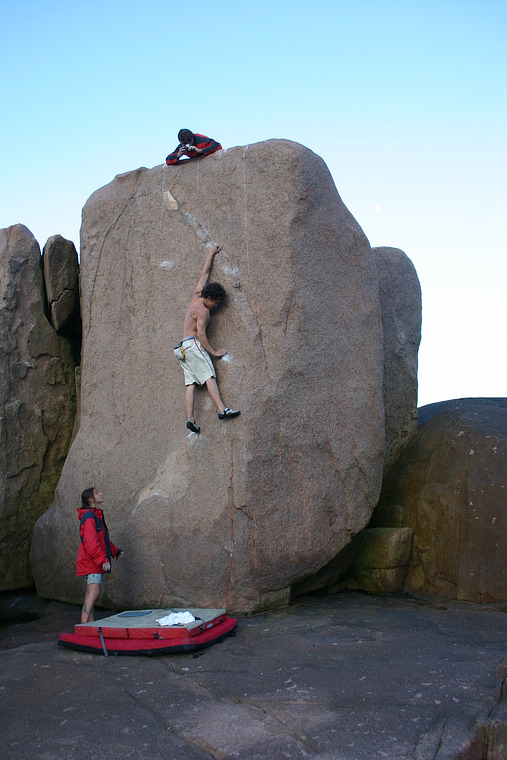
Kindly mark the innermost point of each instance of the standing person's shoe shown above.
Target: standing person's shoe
(191, 425)
(227, 413)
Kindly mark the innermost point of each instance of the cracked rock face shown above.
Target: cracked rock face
(37, 403)
(61, 277)
(233, 517)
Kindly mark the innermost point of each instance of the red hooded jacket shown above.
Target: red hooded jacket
(207, 144)
(95, 547)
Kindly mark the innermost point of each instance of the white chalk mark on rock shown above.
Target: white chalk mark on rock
(170, 201)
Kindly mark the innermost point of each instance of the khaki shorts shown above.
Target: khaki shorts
(197, 364)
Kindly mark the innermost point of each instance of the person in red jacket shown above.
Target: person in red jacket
(192, 146)
(95, 550)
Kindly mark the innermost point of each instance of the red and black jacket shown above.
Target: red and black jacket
(206, 144)
(95, 547)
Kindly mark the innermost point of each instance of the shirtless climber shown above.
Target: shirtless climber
(195, 350)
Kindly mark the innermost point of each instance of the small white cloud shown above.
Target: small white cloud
(377, 207)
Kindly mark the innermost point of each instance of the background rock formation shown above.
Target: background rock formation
(239, 514)
(377, 560)
(380, 561)
(37, 403)
(61, 278)
(401, 305)
(449, 487)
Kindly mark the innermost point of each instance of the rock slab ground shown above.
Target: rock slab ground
(345, 677)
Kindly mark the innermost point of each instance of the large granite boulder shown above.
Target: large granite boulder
(449, 487)
(401, 305)
(37, 403)
(235, 516)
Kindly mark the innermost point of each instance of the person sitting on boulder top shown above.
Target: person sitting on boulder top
(195, 349)
(95, 549)
(193, 146)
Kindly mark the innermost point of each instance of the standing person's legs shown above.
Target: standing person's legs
(92, 592)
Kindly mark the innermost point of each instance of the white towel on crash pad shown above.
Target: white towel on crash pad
(176, 618)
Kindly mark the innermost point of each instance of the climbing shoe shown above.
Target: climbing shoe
(227, 413)
(193, 427)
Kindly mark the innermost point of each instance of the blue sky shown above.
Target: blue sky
(404, 100)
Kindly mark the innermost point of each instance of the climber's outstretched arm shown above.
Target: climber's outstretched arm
(203, 279)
